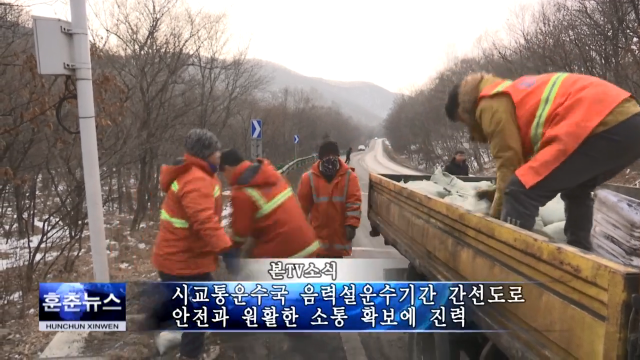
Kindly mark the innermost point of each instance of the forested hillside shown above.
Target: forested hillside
(595, 37)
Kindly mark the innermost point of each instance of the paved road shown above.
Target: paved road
(376, 161)
(343, 346)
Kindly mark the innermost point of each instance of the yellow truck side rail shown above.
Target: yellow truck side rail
(578, 304)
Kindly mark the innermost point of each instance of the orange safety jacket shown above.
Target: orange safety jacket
(556, 112)
(265, 209)
(331, 206)
(190, 235)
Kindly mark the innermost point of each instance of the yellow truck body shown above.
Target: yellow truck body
(577, 305)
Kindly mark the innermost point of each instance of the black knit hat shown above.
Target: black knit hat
(230, 157)
(328, 148)
(453, 102)
(201, 143)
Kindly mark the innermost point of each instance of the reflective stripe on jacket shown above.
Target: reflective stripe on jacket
(265, 210)
(331, 206)
(555, 113)
(217, 198)
(190, 236)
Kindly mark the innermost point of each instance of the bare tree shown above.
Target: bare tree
(595, 37)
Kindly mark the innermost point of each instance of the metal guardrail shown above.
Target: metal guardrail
(301, 162)
(295, 164)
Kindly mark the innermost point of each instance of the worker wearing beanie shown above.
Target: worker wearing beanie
(550, 134)
(330, 196)
(267, 220)
(190, 236)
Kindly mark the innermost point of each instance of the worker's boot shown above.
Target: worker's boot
(579, 218)
(583, 244)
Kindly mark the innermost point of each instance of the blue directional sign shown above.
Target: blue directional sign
(256, 129)
(296, 139)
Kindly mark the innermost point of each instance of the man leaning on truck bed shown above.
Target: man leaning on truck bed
(549, 134)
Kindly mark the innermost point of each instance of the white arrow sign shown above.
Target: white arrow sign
(256, 129)
(296, 139)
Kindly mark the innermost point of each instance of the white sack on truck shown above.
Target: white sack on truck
(616, 227)
(449, 182)
(556, 232)
(553, 212)
(470, 203)
(427, 188)
(457, 192)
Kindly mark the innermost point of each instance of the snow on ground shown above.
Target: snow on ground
(14, 252)
(378, 162)
(226, 213)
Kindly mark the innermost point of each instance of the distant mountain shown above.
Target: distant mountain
(365, 102)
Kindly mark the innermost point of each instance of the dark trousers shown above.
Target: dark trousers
(347, 160)
(598, 159)
(160, 317)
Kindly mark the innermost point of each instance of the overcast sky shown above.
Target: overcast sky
(395, 44)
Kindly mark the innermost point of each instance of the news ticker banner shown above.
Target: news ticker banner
(279, 306)
(321, 270)
(72, 306)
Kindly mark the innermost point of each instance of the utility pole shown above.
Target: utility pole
(62, 48)
(88, 138)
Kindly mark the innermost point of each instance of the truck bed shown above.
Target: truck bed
(578, 304)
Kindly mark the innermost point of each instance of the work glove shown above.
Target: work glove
(351, 232)
(231, 260)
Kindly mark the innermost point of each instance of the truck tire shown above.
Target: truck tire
(414, 275)
(421, 346)
(430, 346)
(445, 347)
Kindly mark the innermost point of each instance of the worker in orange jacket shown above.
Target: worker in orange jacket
(550, 134)
(330, 196)
(266, 212)
(190, 237)
(217, 189)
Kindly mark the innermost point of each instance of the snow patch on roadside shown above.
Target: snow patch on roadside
(226, 214)
(15, 252)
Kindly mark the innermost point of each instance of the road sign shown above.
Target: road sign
(256, 129)
(296, 139)
(256, 138)
(54, 46)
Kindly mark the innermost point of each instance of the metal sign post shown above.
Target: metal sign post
(296, 140)
(256, 138)
(62, 48)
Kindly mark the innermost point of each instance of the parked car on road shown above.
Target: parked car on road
(361, 148)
